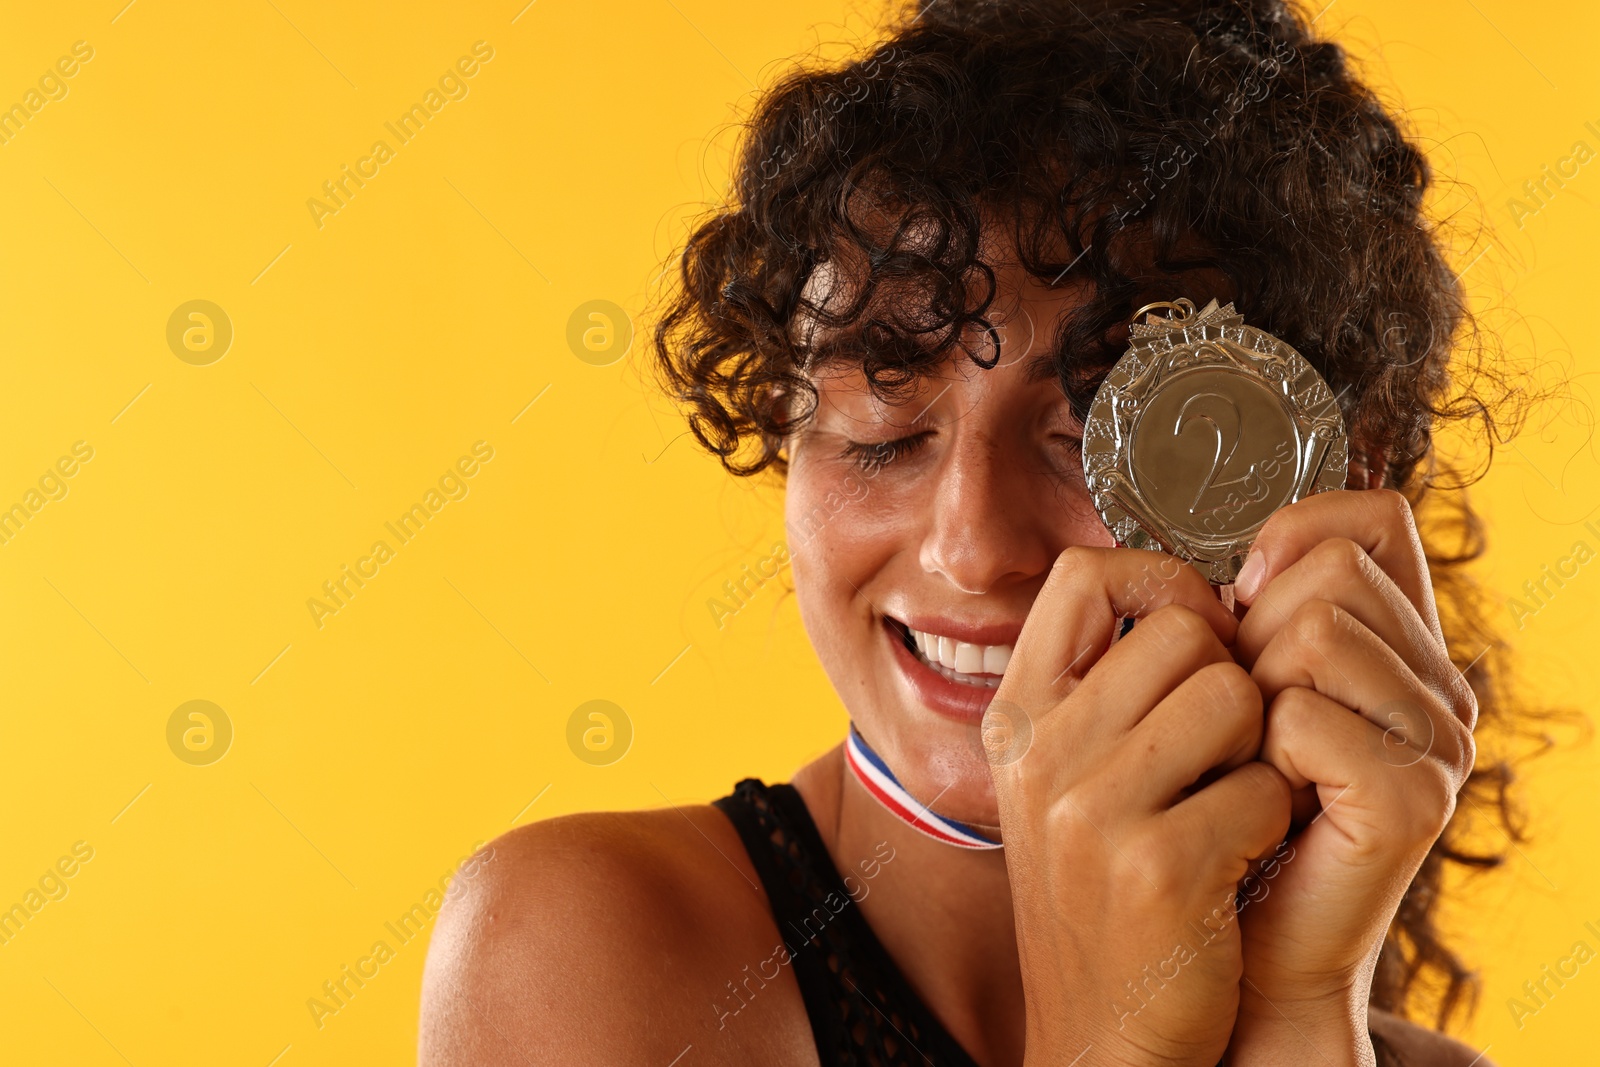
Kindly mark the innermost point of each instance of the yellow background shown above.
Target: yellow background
(368, 354)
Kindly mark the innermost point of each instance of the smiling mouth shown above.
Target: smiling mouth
(979, 666)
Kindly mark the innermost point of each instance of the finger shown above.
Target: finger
(1241, 816)
(1210, 722)
(1156, 658)
(1379, 520)
(1324, 648)
(1313, 740)
(1075, 617)
(1340, 571)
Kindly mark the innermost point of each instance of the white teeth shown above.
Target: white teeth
(962, 661)
(978, 681)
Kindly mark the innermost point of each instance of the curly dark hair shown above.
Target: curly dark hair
(1143, 149)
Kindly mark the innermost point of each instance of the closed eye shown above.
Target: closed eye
(873, 456)
(1072, 442)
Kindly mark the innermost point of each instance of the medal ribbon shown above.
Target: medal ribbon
(875, 776)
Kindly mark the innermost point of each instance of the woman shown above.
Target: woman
(1223, 829)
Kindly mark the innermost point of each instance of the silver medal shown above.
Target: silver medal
(1202, 430)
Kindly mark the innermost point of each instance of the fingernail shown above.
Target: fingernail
(1250, 575)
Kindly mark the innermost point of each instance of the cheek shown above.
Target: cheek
(1074, 514)
(1087, 527)
(836, 530)
(844, 531)
(835, 510)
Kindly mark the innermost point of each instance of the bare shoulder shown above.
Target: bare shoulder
(1421, 1047)
(606, 938)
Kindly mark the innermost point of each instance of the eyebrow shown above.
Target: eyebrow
(1098, 357)
(1042, 365)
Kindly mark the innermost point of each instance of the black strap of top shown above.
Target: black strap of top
(862, 1009)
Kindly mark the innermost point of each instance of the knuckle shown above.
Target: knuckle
(1341, 560)
(1464, 748)
(1072, 560)
(1077, 817)
(1228, 685)
(1320, 622)
(1161, 861)
(1433, 805)
(1420, 799)
(1028, 780)
(1289, 710)
(1293, 701)
(1176, 627)
(1462, 699)
(1393, 508)
(1076, 568)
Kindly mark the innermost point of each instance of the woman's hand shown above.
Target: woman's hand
(1131, 805)
(1371, 724)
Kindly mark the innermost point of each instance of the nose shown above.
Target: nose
(990, 520)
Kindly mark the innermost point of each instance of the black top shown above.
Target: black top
(863, 1012)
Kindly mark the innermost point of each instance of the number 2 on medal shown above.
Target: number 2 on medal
(1223, 415)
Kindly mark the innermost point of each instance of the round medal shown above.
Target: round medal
(1202, 430)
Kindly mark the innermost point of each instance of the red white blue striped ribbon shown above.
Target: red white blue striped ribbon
(875, 776)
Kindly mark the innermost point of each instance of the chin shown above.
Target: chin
(938, 758)
(953, 770)
(899, 679)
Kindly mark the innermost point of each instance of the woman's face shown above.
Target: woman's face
(921, 531)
